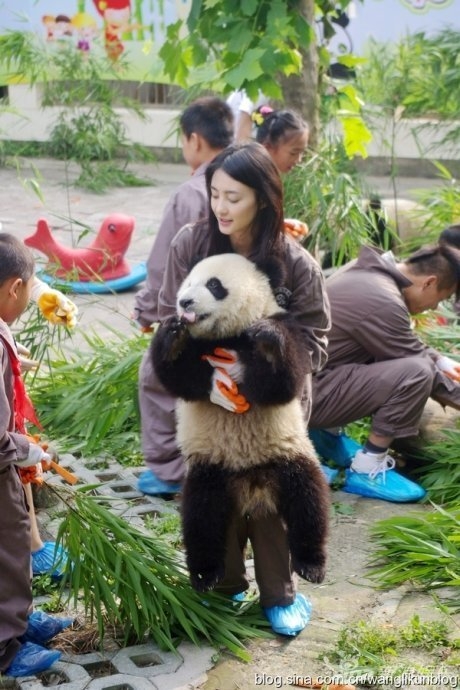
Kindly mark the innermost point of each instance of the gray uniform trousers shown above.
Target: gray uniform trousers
(15, 589)
(393, 392)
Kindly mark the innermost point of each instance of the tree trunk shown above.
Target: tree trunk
(301, 90)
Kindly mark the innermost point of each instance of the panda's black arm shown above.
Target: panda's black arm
(275, 363)
(177, 359)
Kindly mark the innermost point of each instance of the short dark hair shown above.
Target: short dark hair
(451, 236)
(211, 118)
(442, 260)
(278, 126)
(250, 164)
(16, 260)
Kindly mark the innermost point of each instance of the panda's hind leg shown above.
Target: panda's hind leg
(207, 508)
(304, 504)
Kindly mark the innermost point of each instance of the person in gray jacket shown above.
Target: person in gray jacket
(246, 217)
(378, 367)
(207, 128)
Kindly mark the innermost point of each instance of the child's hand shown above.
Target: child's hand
(27, 364)
(36, 455)
(54, 305)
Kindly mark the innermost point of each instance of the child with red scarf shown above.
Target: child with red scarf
(22, 633)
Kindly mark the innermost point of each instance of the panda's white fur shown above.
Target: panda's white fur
(250, 296)
(255, 463)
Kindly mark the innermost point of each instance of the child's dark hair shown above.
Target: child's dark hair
(275, 126)
(451, 236)
(442, 260)
(211, 118)
(250, 164)
(16, 260)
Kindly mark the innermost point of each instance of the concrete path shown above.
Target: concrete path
(346, 596)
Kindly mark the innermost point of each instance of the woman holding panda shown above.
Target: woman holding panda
(246, 217)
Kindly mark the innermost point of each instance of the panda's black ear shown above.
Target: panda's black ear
(274, 269)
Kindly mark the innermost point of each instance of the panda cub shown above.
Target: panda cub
(257, 462)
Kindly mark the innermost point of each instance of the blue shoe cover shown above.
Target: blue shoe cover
(387, 486)
(339, 448)
(329, 473)
(289, 620)
(241, 596)
(42, 627)
(32, 659)
(148, 483)
(49, 560)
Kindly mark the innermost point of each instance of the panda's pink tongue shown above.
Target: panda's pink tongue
(189, 316)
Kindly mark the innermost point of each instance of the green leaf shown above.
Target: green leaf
(248, 69)
(249, 7)
(356, 136)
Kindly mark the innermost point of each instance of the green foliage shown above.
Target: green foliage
(375, 649)
(422, 548)
(419, 73)
(168, 526)
(323, 192)
(93, 135)
(440, 468)
(102, 379)
(97, 176)
(19, 57)
(132, 579)
(256, 41)
(415, 77)
(88, 129)
(40, 337)
(442, 204)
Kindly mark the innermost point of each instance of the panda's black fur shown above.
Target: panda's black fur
(257, 462)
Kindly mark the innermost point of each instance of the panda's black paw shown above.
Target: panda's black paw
(174, 334)
(313, 572)
(268, 339)
(205, 580)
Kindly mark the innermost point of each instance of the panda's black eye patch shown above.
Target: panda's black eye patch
(216, 288)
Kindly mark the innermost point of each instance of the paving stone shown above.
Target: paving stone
(192, 672)
(122, 682)
(65, 675)
(146, 660)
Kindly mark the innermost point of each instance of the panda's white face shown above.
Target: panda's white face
(223, 295)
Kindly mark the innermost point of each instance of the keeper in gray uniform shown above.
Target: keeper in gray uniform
(207, 128)
(378, 367)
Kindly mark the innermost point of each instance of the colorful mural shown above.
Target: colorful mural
(425, 5)
(134, 29)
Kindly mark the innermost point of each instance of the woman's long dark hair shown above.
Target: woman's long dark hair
(251, 165)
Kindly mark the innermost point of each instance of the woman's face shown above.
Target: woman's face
(234, 205)
(288, 153)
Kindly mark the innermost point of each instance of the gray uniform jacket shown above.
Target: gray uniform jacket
(15, 589)
(371, 322)
(188, 204)
(13, 446)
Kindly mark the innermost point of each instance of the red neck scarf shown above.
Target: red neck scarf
(22, 404)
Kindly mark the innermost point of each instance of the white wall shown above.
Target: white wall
(31, 122)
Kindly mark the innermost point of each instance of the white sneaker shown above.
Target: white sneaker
(372, 463)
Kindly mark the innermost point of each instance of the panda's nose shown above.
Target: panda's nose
(185, 303)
